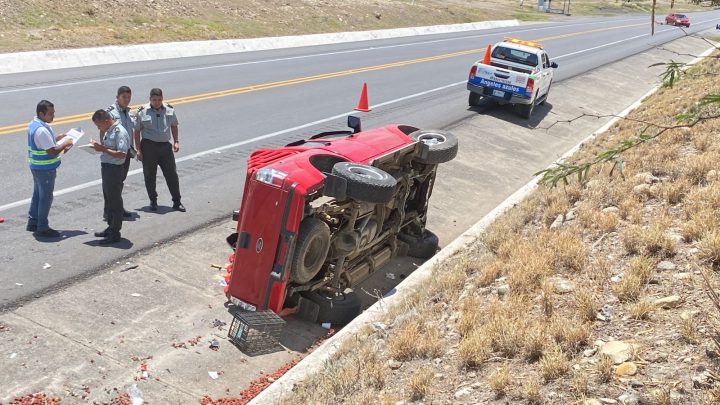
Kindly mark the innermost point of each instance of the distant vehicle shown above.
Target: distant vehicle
(516, 72)
(678, 19)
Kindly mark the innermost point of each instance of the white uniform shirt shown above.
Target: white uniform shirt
(44, 139)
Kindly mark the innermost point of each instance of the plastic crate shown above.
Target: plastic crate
(256, 332)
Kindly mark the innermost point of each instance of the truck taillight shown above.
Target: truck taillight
(530, 86)
(270, 176)
(473, 72)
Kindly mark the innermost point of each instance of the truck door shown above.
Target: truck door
(547, 73)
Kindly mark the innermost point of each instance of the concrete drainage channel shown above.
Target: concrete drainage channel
(318, 358)
(56, 345)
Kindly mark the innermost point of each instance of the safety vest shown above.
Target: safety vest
(38, 158)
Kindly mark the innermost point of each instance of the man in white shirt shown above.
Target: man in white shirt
(44, 159)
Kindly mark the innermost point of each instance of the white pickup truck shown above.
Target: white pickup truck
(515, 72)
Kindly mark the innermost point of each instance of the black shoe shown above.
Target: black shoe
(179, 207)
(153, 205)
(48, 233)
(127, 214)
(109, 239)
(31, 228)
(101, 234)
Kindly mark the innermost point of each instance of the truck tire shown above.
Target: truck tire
(443, 146)
(336, 310)
(311, 249)
(423, 247)
(366, 183)
(474, 99)
(525, 110)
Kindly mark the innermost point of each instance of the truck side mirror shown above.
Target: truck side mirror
(354, 123)
(553, 65)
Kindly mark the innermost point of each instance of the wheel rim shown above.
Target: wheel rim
(432, 139)
(365, 172)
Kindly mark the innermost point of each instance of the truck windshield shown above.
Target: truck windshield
(679, 16)
(515, 55)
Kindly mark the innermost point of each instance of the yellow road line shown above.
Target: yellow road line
(11, 129)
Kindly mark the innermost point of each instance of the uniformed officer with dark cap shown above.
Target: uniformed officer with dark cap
(155, 126)
(114, 146)
(120, 111)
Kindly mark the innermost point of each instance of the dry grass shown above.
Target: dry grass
(554, 364)
(489, 273)
(415, 339)
(661, 396)
(499, 381)
(636, 276)
(475, 350)
(604, 368)
(536, 340)
(531, 391)
(709, 247)
(569, 334)
(585, 304)
(580, 383)
(642, 310)
(688, 330)
(569, 251)
(420, 383)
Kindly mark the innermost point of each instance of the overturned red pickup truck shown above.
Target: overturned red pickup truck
(320, 215)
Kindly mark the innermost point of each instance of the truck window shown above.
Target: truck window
(515, 55)
(546, 61)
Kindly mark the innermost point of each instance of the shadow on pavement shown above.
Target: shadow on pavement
(507, 113)
(123, 244)
(64, 235)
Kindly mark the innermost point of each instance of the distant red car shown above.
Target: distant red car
(320, 215)
(678, 19)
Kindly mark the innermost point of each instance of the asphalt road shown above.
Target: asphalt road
(230, 105)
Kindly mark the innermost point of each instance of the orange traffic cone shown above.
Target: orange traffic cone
(363, 103)
(486, 59)
(2, 220)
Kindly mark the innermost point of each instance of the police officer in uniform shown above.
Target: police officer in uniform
(155, 125)
(120, 111)
(114, 146)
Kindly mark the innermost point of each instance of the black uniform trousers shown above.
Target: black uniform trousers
(156, 154)
(112, 185)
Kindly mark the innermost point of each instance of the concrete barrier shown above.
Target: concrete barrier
(70, 58)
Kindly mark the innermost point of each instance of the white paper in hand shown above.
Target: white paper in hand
(89, 149)
(74, 134)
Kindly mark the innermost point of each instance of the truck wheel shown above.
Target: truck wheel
(474, 99)
(366, 183)
(525, 110)
(313, 243)
(337, 310)
(423, 247)
(443, 146)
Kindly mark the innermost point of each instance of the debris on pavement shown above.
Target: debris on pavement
(37, 398)
(214, 345)
(46, 266)
(218, 324)
(130, 266)
(390, 276)
(4, 328)
(216, 266)
(135, 295)
(19, 284)
(2, 220)
(12, 356)
(135, 395)
(326, 325)
(213, 375)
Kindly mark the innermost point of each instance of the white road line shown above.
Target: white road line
(234, 145)
(299, 127)
(221, 66)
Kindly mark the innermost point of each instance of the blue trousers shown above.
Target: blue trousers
(44, 185)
